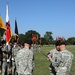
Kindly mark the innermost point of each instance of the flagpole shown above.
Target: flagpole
(8, 36)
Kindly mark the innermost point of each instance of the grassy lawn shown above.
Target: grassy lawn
(41, 63)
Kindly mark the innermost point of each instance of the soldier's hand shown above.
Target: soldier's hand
(49, 58)
(13, 59)
(8, 60)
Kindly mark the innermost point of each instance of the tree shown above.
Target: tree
(29, 33)
(43, 41)
(48, 37)
(22, 37)
(71, 40)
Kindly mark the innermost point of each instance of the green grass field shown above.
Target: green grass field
(41, 62)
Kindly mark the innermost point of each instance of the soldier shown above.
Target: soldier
(24, 59)
(5, 57)
(65, 64)
(53, 54)
(15, 49)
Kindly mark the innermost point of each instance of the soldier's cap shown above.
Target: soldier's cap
(3, 42)
(57, 43)
(62, 43)
(28, 41)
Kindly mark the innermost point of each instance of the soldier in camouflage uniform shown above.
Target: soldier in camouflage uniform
(64, 61)
(4, 60)
(15, 49)
(65, 65)
(53, 54)
(5, 51)
(24, 59)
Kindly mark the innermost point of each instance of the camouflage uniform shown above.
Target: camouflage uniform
(24, 59)
(33, 64)
(15, 49)
(1, 55)
(5, 50)
(54, 55)
(65, 64)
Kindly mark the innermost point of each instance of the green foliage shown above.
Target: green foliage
(71, 40)
(48, 37)
(30, 32)
(44, 42)
(42, 64)
(22, 37)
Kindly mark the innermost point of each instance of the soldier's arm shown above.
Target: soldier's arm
(30, 62)
(49, 55)
(17, 58)
(69, 58)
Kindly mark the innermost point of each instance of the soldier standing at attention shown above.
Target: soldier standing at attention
(24, 59)
(15, 49)
(53, 54)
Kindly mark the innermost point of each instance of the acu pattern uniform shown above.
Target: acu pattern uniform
(64, 67)
(24, 60)
(15, 49)
(53, 54)
(5, 64)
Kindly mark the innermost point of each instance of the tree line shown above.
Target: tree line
(47, 39)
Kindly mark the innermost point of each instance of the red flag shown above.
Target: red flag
(8, 28)
(58, 38)
(34, 37)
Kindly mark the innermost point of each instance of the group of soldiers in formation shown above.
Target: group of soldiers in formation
(7, 56)
(17, 60)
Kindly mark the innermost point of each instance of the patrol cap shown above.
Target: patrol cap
(57, 43)
(28, 41)
(62, 43)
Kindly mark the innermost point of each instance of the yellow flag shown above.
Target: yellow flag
(2, 27)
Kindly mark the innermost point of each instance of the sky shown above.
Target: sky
(56, 16)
